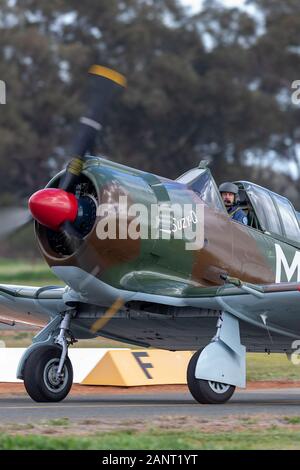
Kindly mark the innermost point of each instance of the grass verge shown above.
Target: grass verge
(23, 272)
(272, 438)
(271, 367)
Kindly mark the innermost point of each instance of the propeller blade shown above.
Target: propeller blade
(103, 84)
(69, 228)
(57, 208)
(108, 315)
(12, 219)
(72, 238)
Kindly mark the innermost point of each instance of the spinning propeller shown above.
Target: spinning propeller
(58, 208)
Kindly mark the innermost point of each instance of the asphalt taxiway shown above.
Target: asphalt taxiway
(275, 402)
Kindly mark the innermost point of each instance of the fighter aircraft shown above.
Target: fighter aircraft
(237, 291)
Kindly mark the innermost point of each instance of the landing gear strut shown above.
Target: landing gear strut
(47, 370)
(207, 391)
(215, 371)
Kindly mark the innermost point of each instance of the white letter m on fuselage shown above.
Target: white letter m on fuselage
(281, 261)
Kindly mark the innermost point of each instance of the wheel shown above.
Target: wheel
(40, 375)
(207, 391)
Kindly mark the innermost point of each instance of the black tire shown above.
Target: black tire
(204, 391)
(39, 379)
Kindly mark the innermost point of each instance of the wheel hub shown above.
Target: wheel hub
(218, 387)
(53, 381)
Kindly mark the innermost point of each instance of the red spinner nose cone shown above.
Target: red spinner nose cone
(52, 207)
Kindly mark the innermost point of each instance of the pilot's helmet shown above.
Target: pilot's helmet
(228, 188)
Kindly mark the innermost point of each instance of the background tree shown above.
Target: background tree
(217, 85)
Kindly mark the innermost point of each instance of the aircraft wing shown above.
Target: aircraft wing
(30, 305)
(273, 306)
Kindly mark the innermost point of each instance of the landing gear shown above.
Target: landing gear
(41, 380)
(215, 371)
(45, 367)
(207, 391)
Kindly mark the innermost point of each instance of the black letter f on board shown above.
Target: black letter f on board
(143, 365)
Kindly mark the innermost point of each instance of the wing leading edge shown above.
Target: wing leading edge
(30, 305)
(272, 306)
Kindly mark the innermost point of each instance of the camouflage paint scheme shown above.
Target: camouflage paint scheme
(165, 267)
(172, 297)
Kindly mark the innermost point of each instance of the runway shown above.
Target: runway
(275, 402)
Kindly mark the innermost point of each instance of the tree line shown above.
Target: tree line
(215, 85)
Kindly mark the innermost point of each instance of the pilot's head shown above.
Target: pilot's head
(229, 192)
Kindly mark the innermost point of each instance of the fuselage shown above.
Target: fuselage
(161, 269)
(163, 265)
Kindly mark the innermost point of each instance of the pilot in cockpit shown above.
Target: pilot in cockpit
(229, 193)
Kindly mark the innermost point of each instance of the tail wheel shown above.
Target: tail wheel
(207, 391)
(40, 379)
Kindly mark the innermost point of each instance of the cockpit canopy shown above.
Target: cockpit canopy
(201, 181)
(266, 211)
